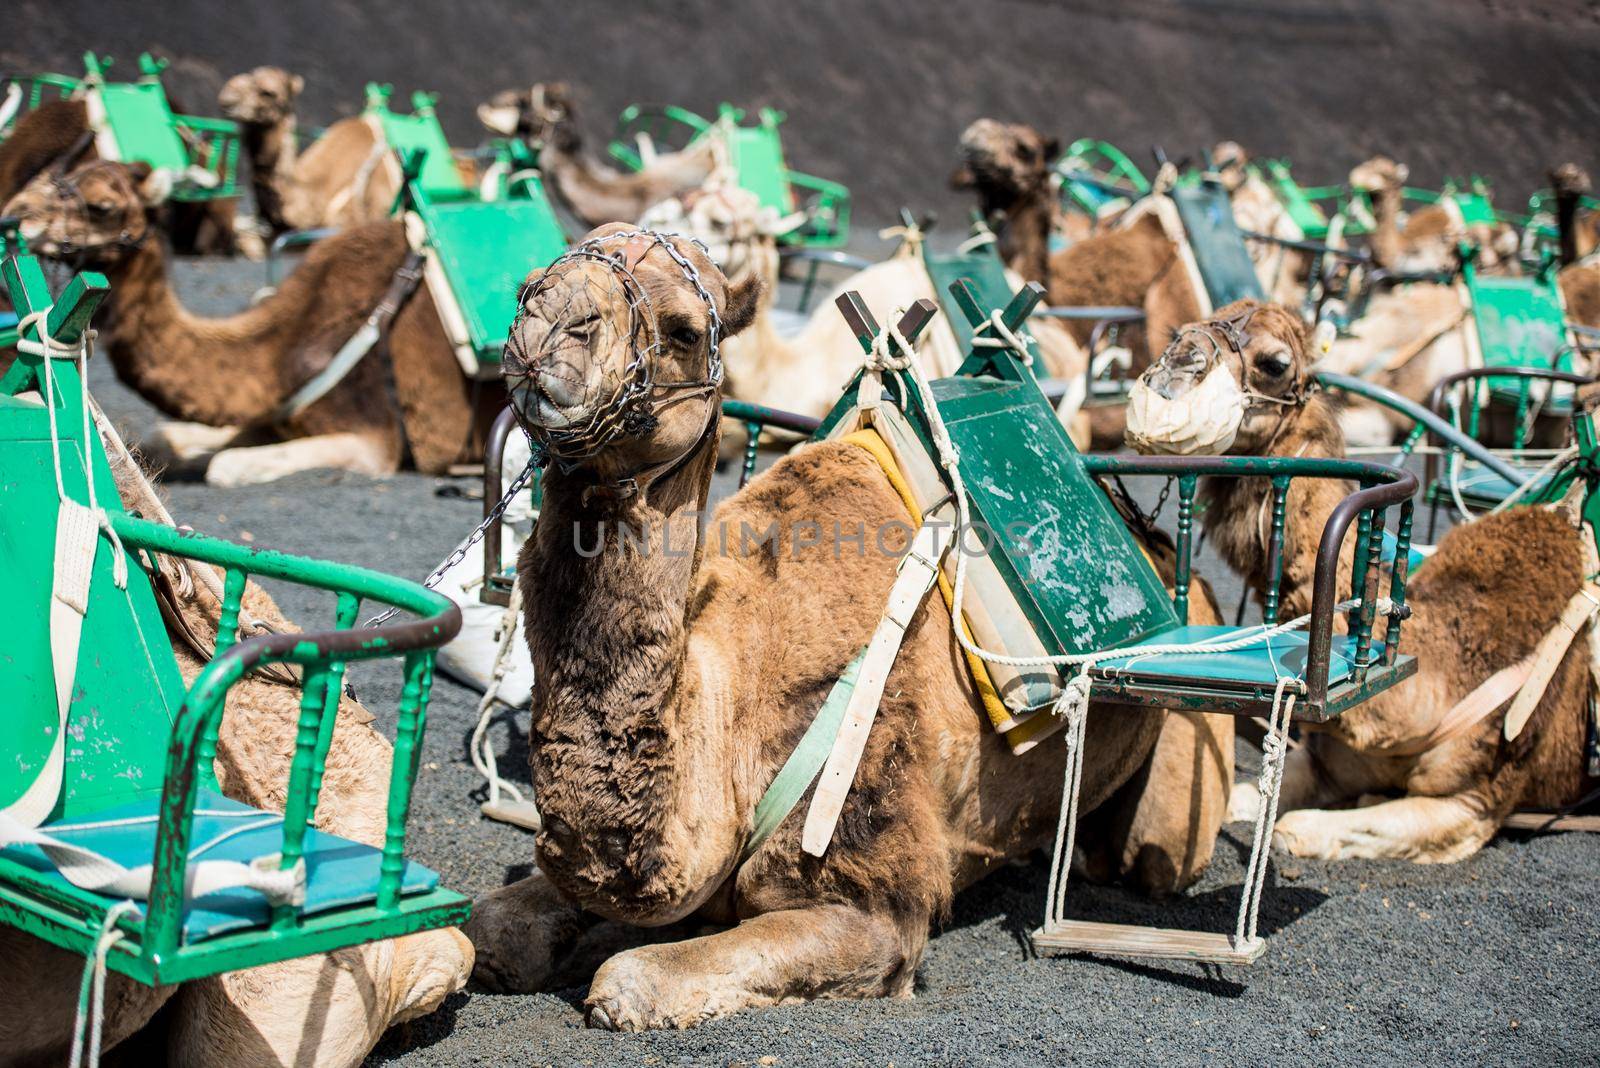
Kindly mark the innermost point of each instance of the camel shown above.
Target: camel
(1426, 240)
(407, 398)
(55, 136)
(1284, 272)
(657, 722)
(593, 193)
(262, 102)
(327, 1010)
(1135, 264)
(1483, 600)
(1580, 235)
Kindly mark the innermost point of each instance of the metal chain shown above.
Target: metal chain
(517, 486)
(1161, 501)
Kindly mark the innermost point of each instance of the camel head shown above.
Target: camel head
(613, 363)
(1378, 174)
(94, 215)
(1224, 385)
(736, 230)
(542, 114)
(1570, 180)
(1004, 161)
(1228, 161)
(261, 97)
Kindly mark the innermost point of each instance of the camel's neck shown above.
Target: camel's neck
(627, 743)
(586, 192)
(1567, 225)
(1023, 230)
(1386, 244)
(1238, 511)
(273, 153)
(222, 372)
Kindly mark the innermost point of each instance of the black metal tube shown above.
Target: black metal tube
(493, 488)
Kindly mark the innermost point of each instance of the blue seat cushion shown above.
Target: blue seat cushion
(339, 873)
(1263, 663)
(1478, 483)
(1391, 544)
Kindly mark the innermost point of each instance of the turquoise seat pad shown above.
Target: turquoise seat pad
(1263, 663)
(1391, 545)
(1217, 243)
(1481, 484)
(339, 872)
(487, 250)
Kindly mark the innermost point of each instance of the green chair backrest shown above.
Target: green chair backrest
(141, 121)
(1520, 322)
(419, 131)
(1304, 212)
(984, 274)
(756, 155)
(1217, 243)
(127, 689)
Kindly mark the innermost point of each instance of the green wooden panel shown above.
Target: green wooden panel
(1303, 211)
(421, 131)
(1062, 549)
(141, 121)
(1520, 321)
(486, 250)
(1217, 243)
(756, 153)
(127, 688)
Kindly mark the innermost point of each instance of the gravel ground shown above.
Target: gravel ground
(1487, 961)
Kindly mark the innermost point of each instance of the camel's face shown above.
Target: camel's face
(730, 222)
(1228, 162)
(610, 363)
(262, 97)
(1571, 180)
(543, 113)
(1223, 385)
(1005, 160)
(94, 215)
(1379, 173)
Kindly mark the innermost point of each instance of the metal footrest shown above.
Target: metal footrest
(1130, 940)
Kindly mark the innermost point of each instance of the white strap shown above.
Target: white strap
(1548, 655)
(918, 569)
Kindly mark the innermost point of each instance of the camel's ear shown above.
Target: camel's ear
(962, 178)
(743, 300)
(500, 120)
(1052, 149)
(1401, 173)
(153, 183)
(297, 84)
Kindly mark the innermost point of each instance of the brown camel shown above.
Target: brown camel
(1427, 238)
(56, 135)
(327, 1010)
(405, 398)
(672, 685)
(1481, 603)
(1135, 264)
(1578, 226)
(262, 102)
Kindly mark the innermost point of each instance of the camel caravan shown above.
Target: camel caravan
(814, 602)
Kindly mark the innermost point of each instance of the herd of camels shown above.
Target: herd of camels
(672, 687)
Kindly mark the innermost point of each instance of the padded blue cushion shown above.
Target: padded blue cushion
(1481, 484)
(339, 872)
(1390, 544)
(1265, 662)
(7, 319)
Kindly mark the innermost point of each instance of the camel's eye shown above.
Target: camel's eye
(102, 207)
(1274, 364)
(687, 336)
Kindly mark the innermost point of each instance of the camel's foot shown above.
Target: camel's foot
(178, 442)
(428, 968)
(1425, 830)
(266, 463)
(1244, 803)
(522, 934)
(832, 951)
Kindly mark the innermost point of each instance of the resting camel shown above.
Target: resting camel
(1481, 602)
(1134, 264)
(55, 136)
(543, 115)
(670, 686)
(326, 1010)
(1580, 236)
(1427, 238)
(1284, 272)
(405, 399)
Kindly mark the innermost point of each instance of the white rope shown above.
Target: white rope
(1527, 487)
(481, 748)
(978, 240)
(1007, 338)
(1067, 824)
(92, 988)
(1274, 749)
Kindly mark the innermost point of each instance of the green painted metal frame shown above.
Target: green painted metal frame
(153, 950)
(1095, 173)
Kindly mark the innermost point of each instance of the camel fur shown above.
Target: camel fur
(407, 399)
(672, 684)
(326, 1010)
(1482, 602)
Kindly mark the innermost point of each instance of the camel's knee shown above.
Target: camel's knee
(428, 968)
(364, 454)
(520, 933)
(1425, 830)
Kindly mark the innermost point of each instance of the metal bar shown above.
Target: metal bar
(493, 489)
(412, 720)
(233, 585)
(344, 618)
(297, 809)
(1180, 597)
(1280, 496)
(1361, 616)
(752, 445)
(1397, 584)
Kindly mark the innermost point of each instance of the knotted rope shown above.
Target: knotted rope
(92, 989)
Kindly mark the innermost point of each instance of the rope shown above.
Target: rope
(1274, 750)
(1067, 824)
(1007, 338)
(92, 989)
(481, 748)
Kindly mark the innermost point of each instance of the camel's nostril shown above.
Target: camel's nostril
(561, 386)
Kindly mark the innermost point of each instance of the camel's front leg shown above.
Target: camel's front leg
(1323, 771)
(362, 453)
(830, 951)
(527, 936)
(1428, 830)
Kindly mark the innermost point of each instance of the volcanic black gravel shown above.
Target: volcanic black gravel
(1486, 961)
